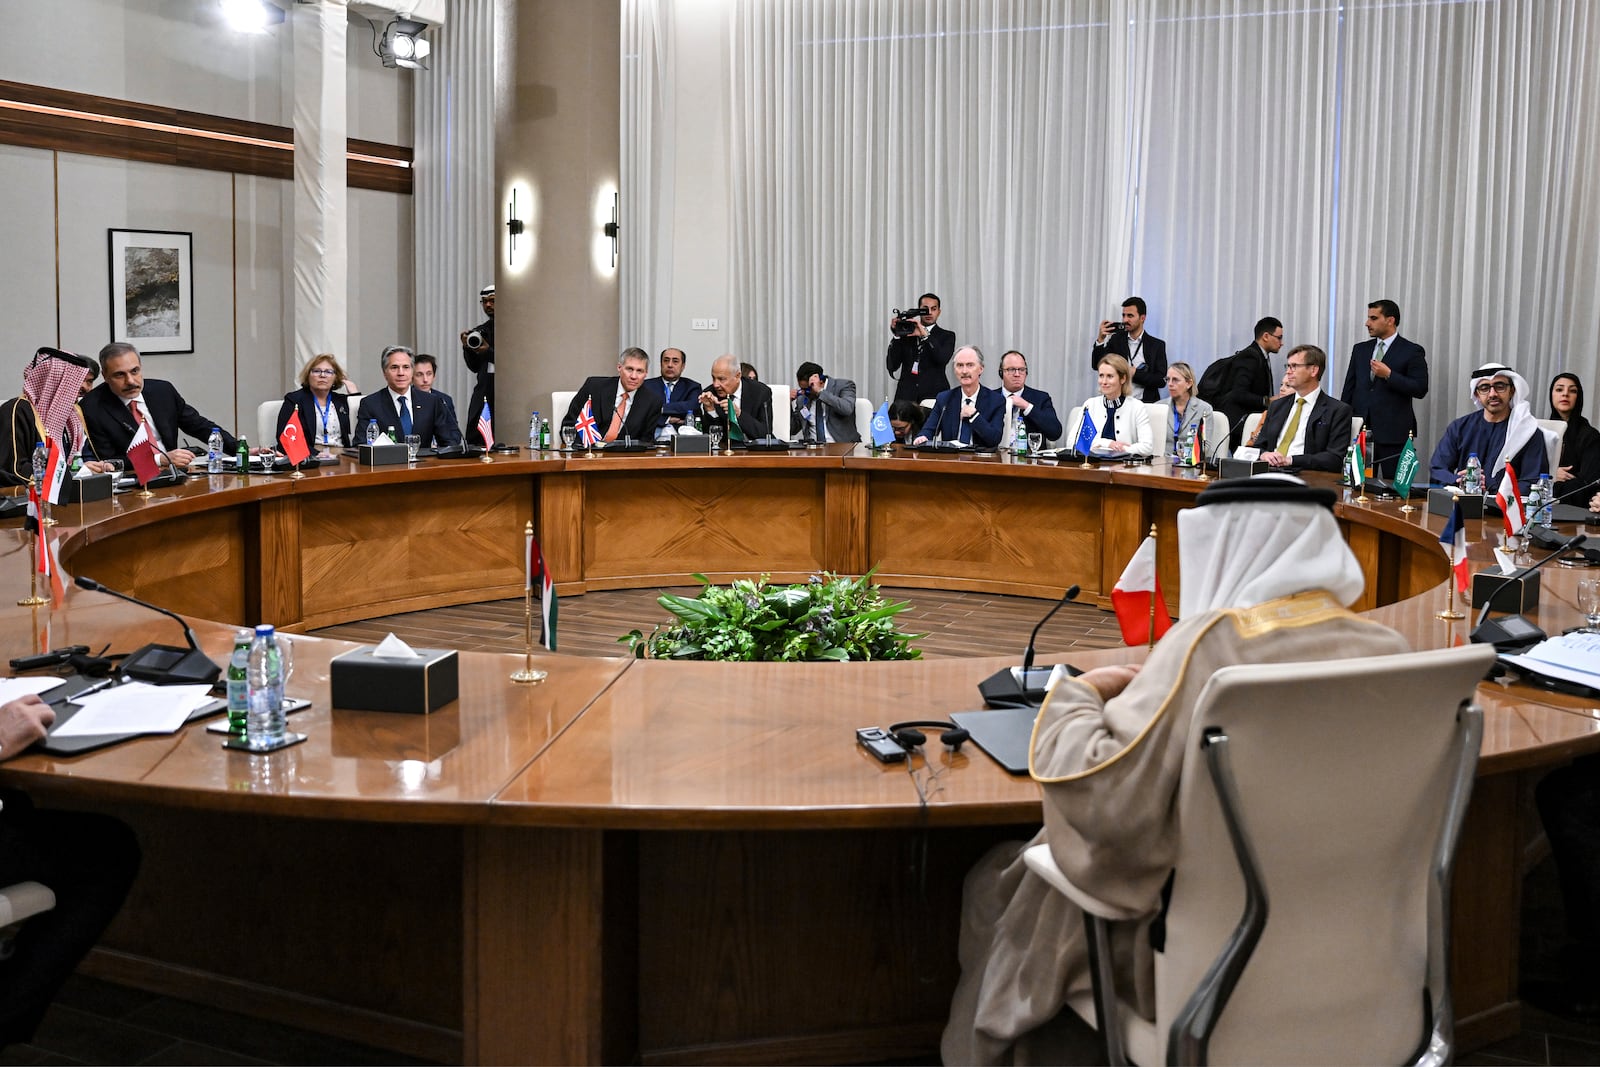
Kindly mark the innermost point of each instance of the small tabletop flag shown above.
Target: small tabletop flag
(293, 440)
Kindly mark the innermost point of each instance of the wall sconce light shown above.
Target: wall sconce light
(514, 228)
(614, 227)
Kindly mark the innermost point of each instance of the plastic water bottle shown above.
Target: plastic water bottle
(214, 452)
(372, 431)
(1474, 474)
(265, 723)
(1019, 436)
(239, 684)
(535, 442)
(1547, 501)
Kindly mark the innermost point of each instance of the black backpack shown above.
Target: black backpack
(1215, 380)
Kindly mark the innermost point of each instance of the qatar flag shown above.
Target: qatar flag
(1135, 592)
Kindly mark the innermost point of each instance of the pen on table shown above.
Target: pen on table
(95, 688)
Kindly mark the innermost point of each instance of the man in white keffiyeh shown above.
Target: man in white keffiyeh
(1501, 428)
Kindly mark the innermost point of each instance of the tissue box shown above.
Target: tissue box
(694, 444)
(1515, 597)
(381, 455)
(88, 490)
(1440, 502)
(1241, 468)
(417, 686)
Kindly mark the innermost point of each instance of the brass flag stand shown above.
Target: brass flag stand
(528, 674)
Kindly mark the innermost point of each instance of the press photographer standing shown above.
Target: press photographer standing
(1146, 354)
(920, 351)
(477, 348)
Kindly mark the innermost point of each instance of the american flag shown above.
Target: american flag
(485, 426)
(588, 431)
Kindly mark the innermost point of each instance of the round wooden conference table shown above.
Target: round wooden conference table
(669, 862)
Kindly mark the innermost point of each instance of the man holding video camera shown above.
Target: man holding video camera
(1146, 354)
(921, 350)
(477, 348)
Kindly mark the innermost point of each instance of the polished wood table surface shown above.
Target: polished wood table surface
(676, 862)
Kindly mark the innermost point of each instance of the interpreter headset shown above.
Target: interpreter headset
(911, 738)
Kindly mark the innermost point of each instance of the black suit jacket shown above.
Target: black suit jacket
(302, 401)
(426, 420)
(1327, 434)
(928, 356)
(112, 425)
(1385, 403)
(755, 411)
(644, 410)
(985, 428)
(1152, 376)
(680, 404)
(1248, 385)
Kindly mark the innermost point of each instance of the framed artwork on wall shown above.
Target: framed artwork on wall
(152, 290)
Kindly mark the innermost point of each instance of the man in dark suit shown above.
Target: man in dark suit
(1146, 354)
(622, 407)
(971, 413)
(402, 409)
(477, 350)
(752, 400)
(920, 356)
(1306, 430)
(1385, 375)
(833, 400)
(114, 409)
(678, 393)
(1248, 387)
(425, 369)
(1037, 409)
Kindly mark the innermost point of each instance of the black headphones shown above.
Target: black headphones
(912, 738)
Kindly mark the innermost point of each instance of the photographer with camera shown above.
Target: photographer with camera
(477, 348)
(920, 351)
(823, 408)
(1146, 354)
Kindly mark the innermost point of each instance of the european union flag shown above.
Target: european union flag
(882, 432)
(1085, 439)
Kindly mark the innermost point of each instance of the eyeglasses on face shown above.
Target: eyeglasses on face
(1492, 387)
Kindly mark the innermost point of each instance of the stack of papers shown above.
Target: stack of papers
(133, 708)
(1571, 658)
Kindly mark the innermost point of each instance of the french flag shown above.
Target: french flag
(1454, 540)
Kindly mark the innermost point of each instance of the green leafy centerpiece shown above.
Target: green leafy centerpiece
(827, 617)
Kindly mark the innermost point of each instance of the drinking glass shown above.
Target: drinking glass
(1035, 443)
(569, 434)
(717, 433)
(1589, 601)
(286, 653)
(413, 442)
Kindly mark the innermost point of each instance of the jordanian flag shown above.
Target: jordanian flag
(539, 581)
(1355, 460)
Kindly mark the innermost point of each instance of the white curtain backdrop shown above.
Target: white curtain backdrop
(1033, 163)
(457, 211)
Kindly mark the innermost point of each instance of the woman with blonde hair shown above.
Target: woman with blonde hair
(324, 407)
(1121, 420)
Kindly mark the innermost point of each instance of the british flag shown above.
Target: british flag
(588, 431)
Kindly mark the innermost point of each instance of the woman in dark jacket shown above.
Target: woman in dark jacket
(324, 407)
(1577, 476)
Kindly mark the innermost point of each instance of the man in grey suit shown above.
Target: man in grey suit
(833, 398)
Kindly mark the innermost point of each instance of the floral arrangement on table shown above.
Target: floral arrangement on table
(827, 617)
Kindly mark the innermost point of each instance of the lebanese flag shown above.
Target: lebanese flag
(1131, 597)
(142, 454)
(1509, 497)
(1454, 540)
(293, 440)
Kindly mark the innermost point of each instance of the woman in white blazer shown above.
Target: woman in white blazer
(1130, 433)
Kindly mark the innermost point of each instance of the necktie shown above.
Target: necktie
(1294, 424)
(405, 417)
(1377, 354)
(820, 419)
(616, 418)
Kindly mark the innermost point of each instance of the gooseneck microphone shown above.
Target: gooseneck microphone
(1027, 656)
(1514, 631)
(162, 664)
(1008, 687)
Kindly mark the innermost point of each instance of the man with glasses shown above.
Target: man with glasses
(1501, 428)
(1037, 409)
(1306, 429)
(1386, 374)
(920, 356)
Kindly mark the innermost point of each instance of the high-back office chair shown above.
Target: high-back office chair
(18, 903)
(1320, 805)
(864, 413)
(1216, 440)
(1161, 423)
(560, 401)
(1553, 431)
(267, 422)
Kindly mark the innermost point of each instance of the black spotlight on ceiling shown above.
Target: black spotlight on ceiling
(402, 44)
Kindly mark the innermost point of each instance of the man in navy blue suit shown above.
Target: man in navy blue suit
(1037, 409)
(400, 409)
(971, 413)
(1385, 375)
(677, 392)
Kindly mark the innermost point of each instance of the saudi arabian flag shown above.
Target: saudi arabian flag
(1405, 470)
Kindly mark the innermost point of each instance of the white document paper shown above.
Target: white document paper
(1573, 657)
(12, 688)
(134, 708)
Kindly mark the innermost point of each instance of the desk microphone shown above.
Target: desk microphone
(1216, 446)
(1003, 689)
(1514, 631)
(162, 664)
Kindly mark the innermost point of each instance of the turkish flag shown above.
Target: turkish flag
(293, 440)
